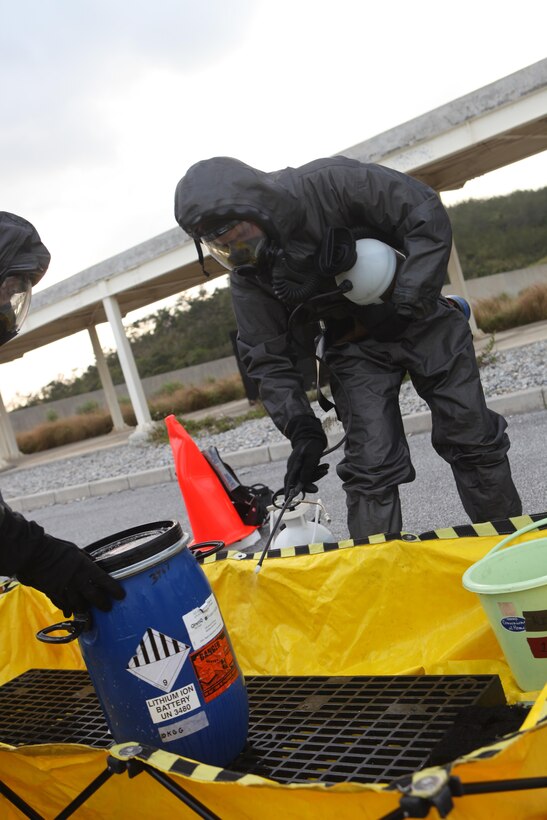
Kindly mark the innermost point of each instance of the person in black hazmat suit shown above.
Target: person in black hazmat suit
(68, 576)
(283, 235)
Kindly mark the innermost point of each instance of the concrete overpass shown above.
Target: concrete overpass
(480, 132)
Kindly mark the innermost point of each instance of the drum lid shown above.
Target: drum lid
(128, 547)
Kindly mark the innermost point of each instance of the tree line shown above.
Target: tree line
(501, 233)
(492, 235)
(194, 330)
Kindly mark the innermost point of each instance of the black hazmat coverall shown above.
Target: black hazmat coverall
(296, 207)
(67, 575)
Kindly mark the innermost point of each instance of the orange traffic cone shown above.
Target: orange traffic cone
(212, 515)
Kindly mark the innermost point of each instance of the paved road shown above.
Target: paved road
(430, 502)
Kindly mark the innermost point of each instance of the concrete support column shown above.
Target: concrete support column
(106, 381)
(455, 275)
(9, 451)
(129, 368)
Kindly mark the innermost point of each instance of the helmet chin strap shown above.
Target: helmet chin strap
(201, 260)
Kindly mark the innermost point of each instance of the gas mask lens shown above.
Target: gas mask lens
(236, 244)
(15, 295)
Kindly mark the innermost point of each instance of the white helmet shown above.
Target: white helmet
(373, 272)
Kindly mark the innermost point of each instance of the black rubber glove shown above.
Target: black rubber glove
(392, 326)
(66, 574)
(308, 442)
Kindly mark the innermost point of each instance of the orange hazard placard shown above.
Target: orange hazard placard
(215, 666)
(538, 647)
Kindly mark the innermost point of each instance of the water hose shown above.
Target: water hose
(293, 492)
(318, 356)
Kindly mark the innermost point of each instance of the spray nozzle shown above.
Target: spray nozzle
(289, 498)
(297, 530)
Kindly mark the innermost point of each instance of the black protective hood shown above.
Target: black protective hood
(21, 246)
(222, 188)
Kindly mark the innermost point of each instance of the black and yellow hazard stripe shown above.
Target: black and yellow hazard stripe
(502, 526)
(174, 764)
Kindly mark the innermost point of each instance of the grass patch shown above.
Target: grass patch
(208, 425)
(488, 355)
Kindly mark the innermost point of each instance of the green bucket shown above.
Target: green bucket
(512, 588)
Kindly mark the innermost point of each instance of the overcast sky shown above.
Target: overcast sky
(106, 103)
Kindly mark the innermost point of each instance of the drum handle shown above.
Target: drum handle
(533, 526)
(205, 548)
(74, 629)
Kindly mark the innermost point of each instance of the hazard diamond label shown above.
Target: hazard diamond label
(158, 659)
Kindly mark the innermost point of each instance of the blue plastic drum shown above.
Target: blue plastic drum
(161, 660)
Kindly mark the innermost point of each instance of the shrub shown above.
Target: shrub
(88, 407)
(168, 389)
(128, 415)
(64, 431)
(189, 399)
(91, 421)
(503, 312)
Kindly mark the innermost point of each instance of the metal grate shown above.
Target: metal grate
(360, 729)
(52, 706)
(302, 729)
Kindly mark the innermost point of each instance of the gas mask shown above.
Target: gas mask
(243, 248)
(236, 245)
(15, 296)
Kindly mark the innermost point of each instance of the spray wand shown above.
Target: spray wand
(291, 495)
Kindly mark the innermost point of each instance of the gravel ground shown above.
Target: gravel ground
(513, 370)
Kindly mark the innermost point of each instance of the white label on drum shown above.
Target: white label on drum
(173, 705)
(203, 622)
(183, 728)
(158, 659)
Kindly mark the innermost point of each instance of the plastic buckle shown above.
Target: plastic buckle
(123, 759)
(427, 790)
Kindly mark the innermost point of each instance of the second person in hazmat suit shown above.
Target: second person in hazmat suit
(285, 236)
(58, 568)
